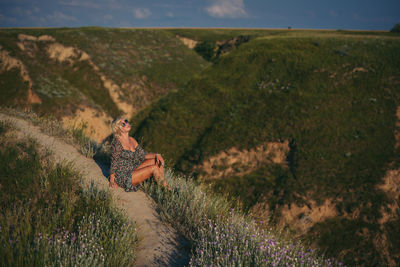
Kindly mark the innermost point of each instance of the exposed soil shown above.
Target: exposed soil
(188, 42)
(237, 163)
(160, 244)
(97, 122)
(116, 93)
(7, 63)
(63, 53)
(25, 37)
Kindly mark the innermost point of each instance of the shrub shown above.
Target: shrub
(396, 28)
(205, 49)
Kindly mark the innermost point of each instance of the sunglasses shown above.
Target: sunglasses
(125, 123)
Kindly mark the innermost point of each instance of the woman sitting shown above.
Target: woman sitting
(130, 164)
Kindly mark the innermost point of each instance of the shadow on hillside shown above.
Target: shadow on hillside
(104, 165)
(179, 257)
(102, 158)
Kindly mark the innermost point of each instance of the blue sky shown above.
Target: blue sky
(311, 14)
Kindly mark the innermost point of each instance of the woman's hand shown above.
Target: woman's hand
(160, 160)
(112, 183)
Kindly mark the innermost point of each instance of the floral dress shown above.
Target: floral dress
(124, 162)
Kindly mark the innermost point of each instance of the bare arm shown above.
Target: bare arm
(112, 181)
(150, 156)
(157, 157)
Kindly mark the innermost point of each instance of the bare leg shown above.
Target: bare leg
(160, 176)
(147, 162)
(163, 175)
(140, 175)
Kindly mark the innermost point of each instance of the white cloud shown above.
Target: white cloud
(311, 14)
(227, 9)
(107, 17)
(356, 16)
(141, 13)
(22, 11)
(114, 4)
(80, 4)
(24, 16)
(167, 5)
(7, 20)
(59, 16)
(333, 13)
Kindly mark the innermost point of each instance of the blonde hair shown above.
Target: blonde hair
(116, 126)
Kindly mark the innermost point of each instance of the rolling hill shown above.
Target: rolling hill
(302, 127)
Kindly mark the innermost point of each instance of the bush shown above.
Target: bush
(206, 50)
(396, 28)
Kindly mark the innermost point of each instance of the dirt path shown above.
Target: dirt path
(159, 245)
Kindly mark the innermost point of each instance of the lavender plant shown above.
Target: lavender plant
(223, 236)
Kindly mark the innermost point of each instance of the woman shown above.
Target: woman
(130, 164)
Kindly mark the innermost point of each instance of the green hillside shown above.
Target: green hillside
(332, 95)
(66, 66)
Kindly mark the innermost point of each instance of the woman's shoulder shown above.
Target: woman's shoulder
(133, 140)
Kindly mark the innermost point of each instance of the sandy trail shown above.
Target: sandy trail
(160, 244)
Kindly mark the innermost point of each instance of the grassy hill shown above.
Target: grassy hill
(302, 127)
(333, 96)
(111, 71)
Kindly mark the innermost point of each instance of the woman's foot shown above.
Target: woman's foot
(165, 184)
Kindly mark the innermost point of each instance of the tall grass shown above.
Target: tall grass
(48, 218)
(220, 234)
(74, 135)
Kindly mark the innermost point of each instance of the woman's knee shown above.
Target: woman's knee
(155, 170)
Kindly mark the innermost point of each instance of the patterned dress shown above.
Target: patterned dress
(124, 162)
